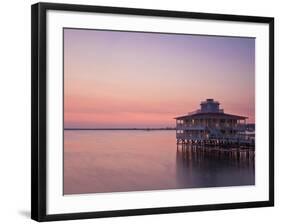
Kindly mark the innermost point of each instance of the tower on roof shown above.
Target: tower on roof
(210, 106)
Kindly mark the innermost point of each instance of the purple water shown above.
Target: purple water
(118, 161)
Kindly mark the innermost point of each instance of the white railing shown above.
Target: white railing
(190, 127)
(201, 126)
(239, 138)
(190, 137)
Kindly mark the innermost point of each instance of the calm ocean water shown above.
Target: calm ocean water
(118, 161)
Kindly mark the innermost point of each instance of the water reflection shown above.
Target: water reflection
(121, 161)
(199, 166)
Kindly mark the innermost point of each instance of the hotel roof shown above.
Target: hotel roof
(210, 109)
(211, 114)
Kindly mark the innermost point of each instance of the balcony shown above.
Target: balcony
(190, 137)
(186, 127)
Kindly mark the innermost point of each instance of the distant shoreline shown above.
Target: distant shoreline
(119, 129)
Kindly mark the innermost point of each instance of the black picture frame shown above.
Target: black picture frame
(39, 122)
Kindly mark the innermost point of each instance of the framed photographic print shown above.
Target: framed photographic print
(140, 111)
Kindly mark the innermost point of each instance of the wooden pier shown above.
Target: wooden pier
(221, 149)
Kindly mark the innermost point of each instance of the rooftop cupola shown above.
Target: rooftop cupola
(210, 106)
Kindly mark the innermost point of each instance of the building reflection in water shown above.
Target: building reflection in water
(199, 166)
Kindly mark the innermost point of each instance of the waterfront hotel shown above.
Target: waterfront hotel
(210, 123)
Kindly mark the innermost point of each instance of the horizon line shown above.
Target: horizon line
(126, 128)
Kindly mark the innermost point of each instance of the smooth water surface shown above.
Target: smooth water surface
(117, 161)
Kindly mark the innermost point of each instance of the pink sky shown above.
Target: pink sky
(129, 79)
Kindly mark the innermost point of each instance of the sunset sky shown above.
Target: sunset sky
(134, 79)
